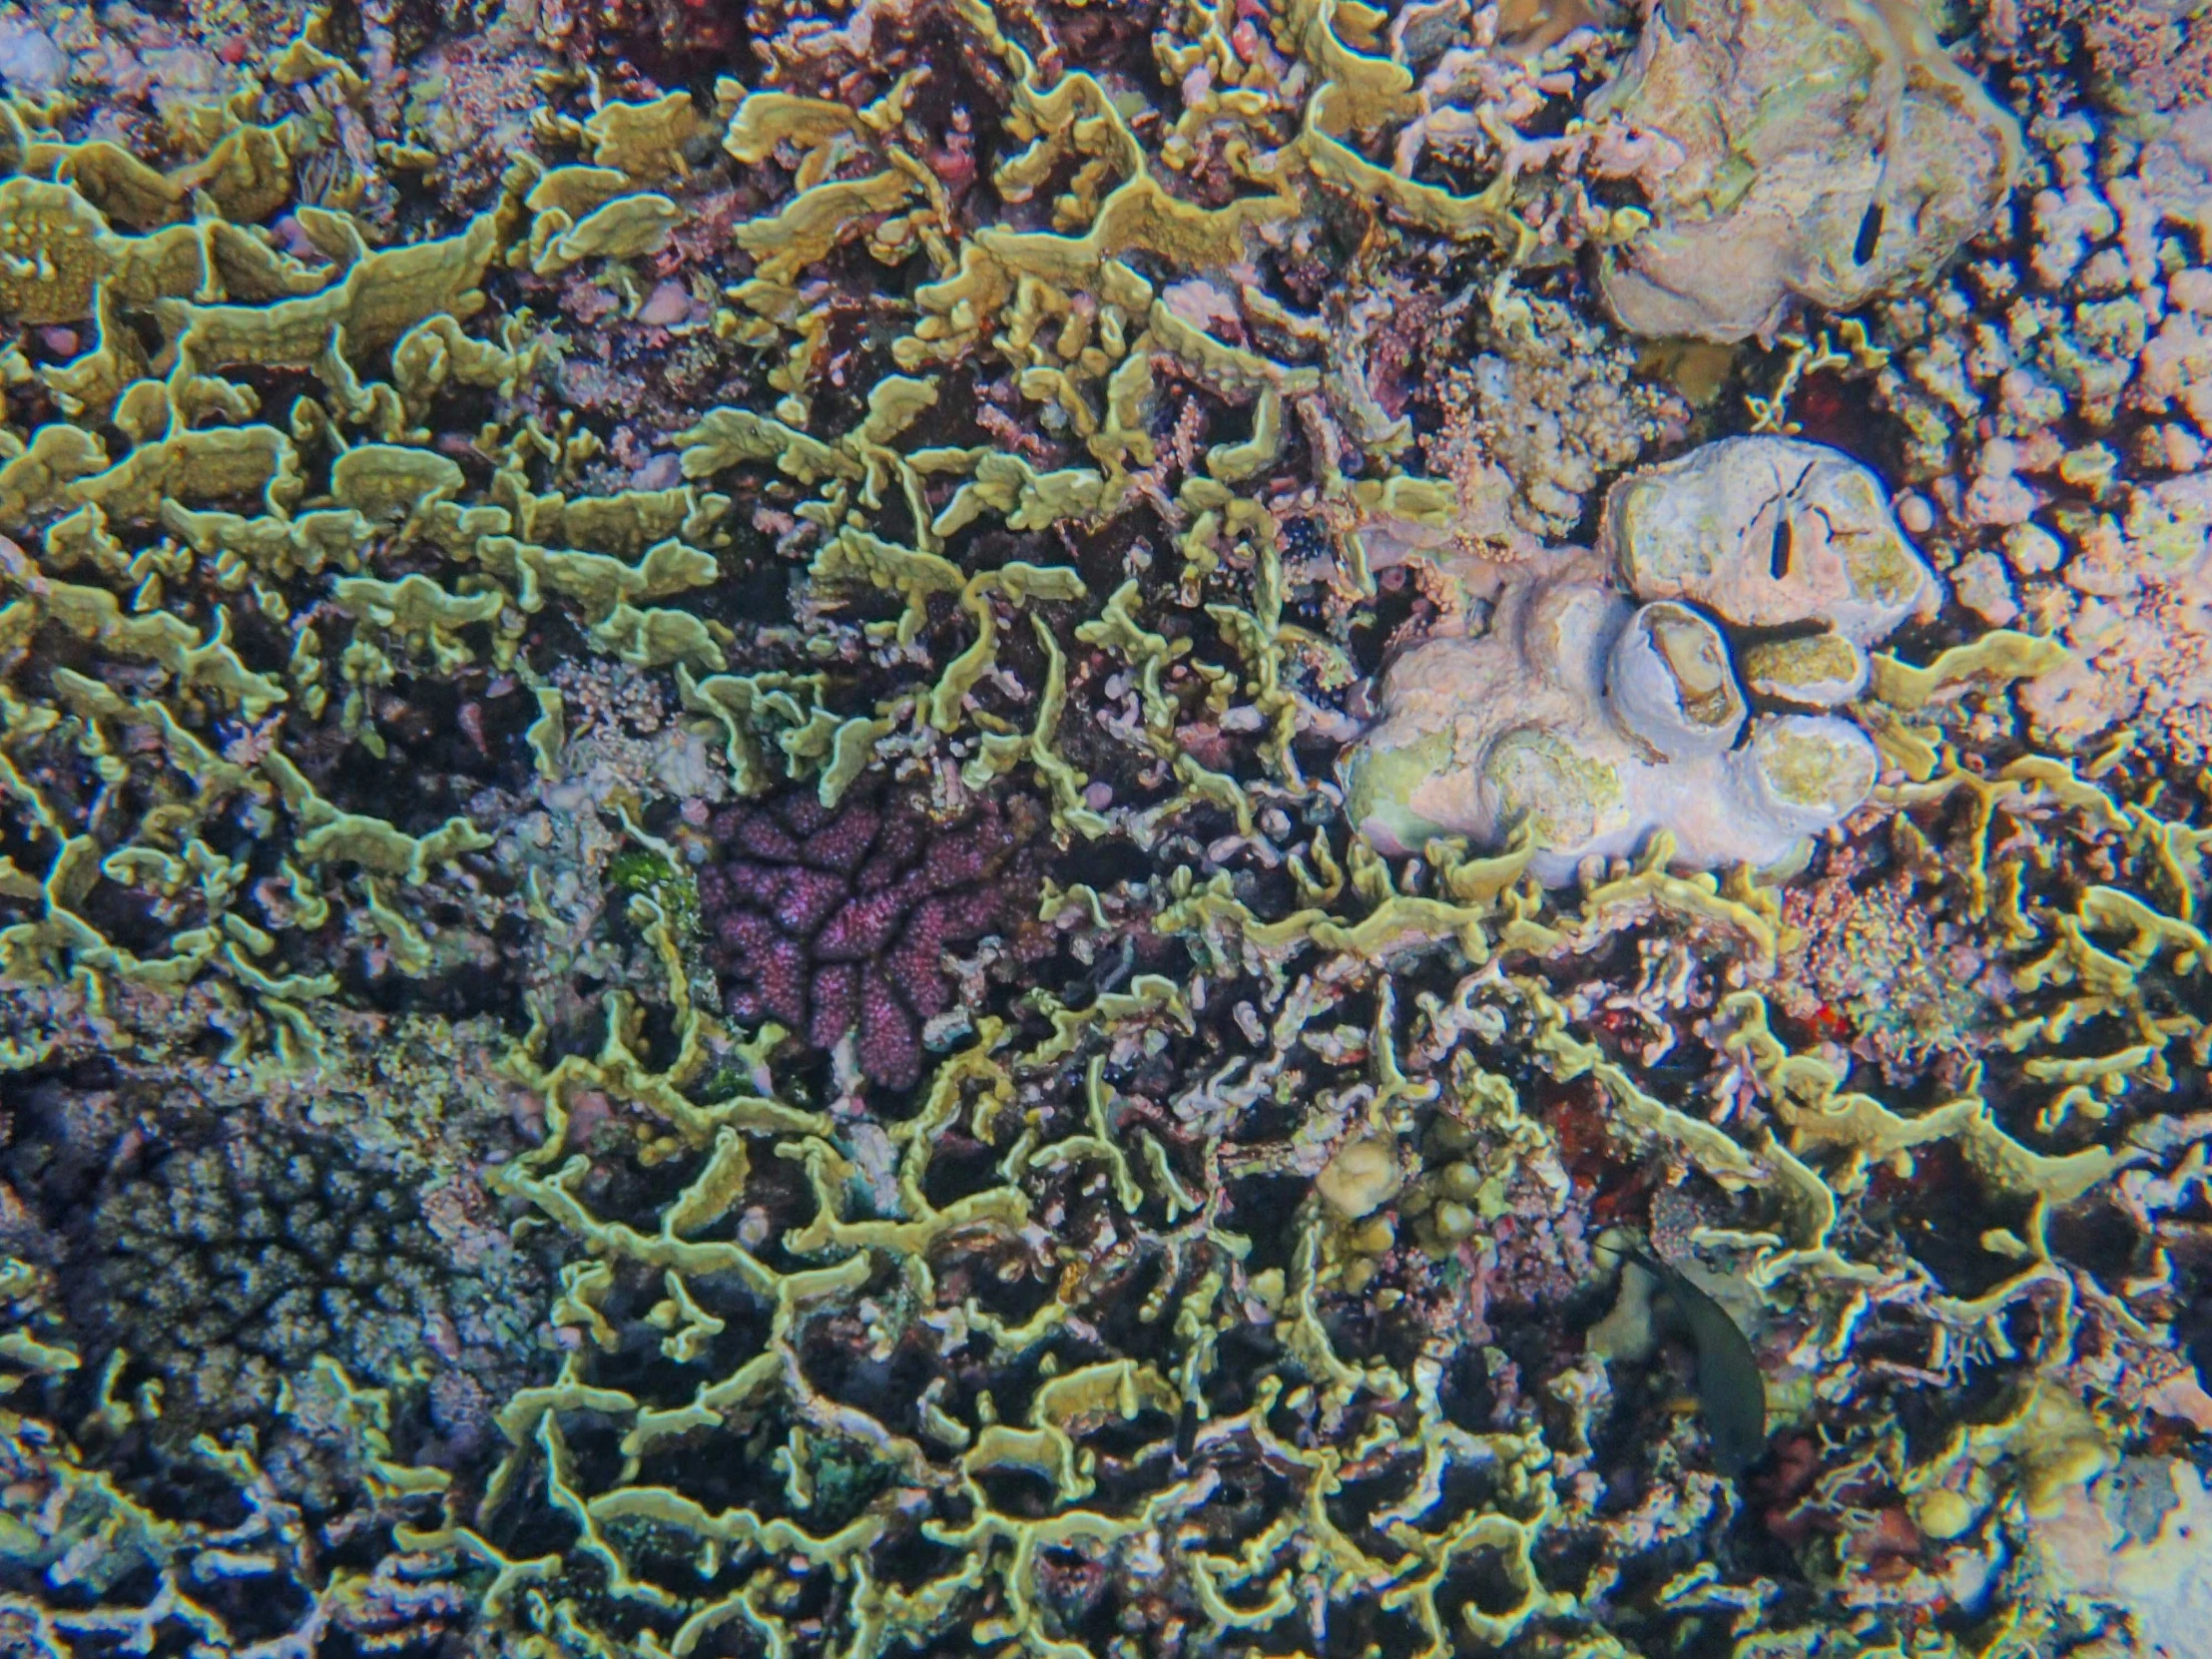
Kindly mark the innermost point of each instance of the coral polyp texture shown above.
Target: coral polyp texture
(1147, 830)
(835, 921)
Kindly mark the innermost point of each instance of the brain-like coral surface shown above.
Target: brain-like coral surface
(835, 921)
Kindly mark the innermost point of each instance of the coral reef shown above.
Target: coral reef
(2135, 1540)
(686, 969)
(1905, 983)
(1768, 532)
(1529, 430)
(1584, 727)
(214, 1229)
(228, 1268)
(2060, 469)
(1818, 150)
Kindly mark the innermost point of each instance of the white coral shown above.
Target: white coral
(1823, 149)
(2102, 1543)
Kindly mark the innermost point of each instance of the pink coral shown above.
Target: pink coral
(835, 921)
(2134, 605)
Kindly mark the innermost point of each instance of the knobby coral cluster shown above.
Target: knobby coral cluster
(926, 835)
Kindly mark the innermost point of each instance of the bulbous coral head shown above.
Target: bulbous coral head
(1766, 532)
(1568, 794)
(1807, 671)
(1480, 733)
(1482, 736)
(1591, 725)
(1802, 773)
(1828, 150)
(1669, 681)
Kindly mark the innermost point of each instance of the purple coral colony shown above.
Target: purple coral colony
(1102, 829)
(835, 921)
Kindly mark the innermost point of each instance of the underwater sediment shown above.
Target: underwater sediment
(1106, 829)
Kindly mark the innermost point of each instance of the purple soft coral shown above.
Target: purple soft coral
(835, 921)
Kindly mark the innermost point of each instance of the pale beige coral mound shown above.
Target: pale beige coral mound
(2139, 1541)
(1590, 724)
(1823, 149)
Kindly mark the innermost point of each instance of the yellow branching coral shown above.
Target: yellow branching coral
(380, 297)
(140, 555)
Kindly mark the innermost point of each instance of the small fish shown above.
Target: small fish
(1186, 1433)
(1731, 1390)
(1103, 975)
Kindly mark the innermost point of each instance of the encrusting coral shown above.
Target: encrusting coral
(696, 692)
